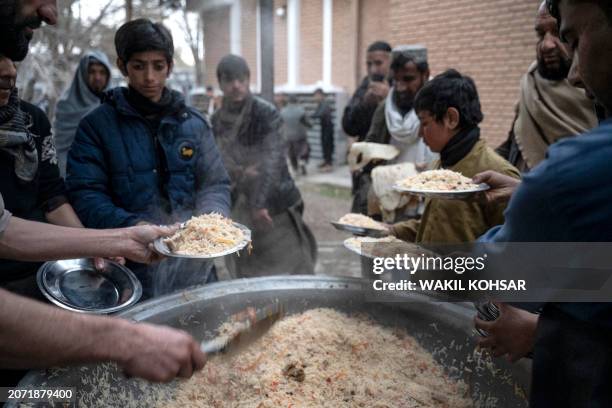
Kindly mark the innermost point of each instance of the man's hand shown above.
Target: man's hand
(376, 93)
(502, 186)
(136, 242)
(100, 263)
(512, 334)
(262, 218)
(160, 354)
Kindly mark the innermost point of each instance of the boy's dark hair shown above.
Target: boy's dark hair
(319, 91)
(451, 90)
(401, 59)
(553, 8)
(232, 67)
(379, 46)
(142, 35)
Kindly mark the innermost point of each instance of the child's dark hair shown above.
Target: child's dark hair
(232, 67)
(451, 90)
(143, 35)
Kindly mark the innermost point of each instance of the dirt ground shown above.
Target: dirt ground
(324, 203)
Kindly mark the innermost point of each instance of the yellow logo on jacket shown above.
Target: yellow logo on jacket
(186, 152)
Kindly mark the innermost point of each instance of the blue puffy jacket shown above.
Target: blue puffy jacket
(113, 175)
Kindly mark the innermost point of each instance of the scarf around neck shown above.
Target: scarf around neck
(16, 139)
(170, 102)
(403, 128)
(459, 146)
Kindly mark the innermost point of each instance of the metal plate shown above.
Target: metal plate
(360, 231)
(388, 249)
(161, 247)
(76, 284)
(444, 195)
(443, 329)
(347, 244)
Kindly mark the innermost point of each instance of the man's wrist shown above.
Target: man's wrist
(114, 340)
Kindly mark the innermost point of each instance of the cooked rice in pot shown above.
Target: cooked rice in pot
(324, 358)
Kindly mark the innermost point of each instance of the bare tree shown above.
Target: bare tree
(55, 51)
(129, 10)
(191, 25)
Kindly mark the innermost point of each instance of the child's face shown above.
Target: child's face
(147, 72)
(435, 134)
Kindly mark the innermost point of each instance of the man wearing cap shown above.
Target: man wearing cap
(396, 123)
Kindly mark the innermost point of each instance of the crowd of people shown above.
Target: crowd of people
(548, 181)
(119, 162)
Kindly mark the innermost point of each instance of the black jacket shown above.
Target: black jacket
(255, 159)
(358, 115)
(32, 200)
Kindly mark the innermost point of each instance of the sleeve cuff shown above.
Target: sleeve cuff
(54, 203)
(5, 218)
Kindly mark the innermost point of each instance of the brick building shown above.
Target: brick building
(323, 42)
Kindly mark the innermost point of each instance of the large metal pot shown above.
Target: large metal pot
(443, 329)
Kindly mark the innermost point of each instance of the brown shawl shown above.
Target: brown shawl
(549, 111)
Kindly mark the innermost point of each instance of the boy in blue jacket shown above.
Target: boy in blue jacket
(143, 156)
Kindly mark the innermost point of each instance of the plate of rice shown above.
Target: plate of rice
(207, 236)
(443, 184)
(361, 225)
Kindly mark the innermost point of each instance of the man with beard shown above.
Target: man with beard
(549, 108)
(33, 335)
(19, 19)
(396, 123)
(264, 196)
(90, 81)
(566, 198)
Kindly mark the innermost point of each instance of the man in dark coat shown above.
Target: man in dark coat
(325, 116)
(357, 117)
(265, 197)
(295, 127)
(566, 198)
(91, 79)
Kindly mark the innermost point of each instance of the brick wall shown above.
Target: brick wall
(374, 26)
(493, 41)
(311, 41)
(343, 45)
(248, 39)
(216, 40)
